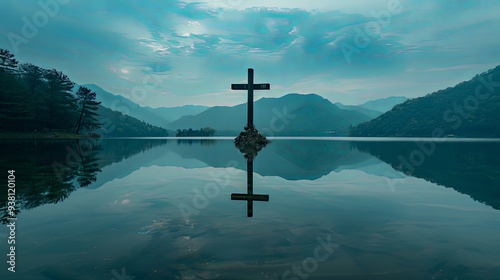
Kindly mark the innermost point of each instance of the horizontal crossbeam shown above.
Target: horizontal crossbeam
(254, 87)
(254, 197)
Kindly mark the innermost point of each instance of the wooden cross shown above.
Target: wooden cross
(249, 196)
(250, 87)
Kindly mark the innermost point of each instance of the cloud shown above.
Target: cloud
(198, 48)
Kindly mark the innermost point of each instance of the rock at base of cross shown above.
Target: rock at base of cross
(250, 142)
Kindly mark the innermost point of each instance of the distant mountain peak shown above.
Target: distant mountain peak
(383, 104)
(291, 114)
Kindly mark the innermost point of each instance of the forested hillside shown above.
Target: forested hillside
(116, 124)
(469, 109)
(34, 99)
(37, 99)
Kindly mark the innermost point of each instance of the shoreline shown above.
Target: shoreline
(40, 135)
(70, 136)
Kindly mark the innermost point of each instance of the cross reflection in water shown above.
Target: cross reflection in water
(250, 197)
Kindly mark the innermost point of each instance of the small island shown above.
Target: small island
(250, 142)
(202, 132)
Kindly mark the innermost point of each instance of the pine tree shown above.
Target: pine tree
(61, 103)
(13, 104)
(7, 62)
(88, 110)
(11, 92)
(32, 102)
(88, 168)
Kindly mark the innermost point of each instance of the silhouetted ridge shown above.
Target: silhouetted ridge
(469, 109)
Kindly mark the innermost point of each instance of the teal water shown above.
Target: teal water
(337, 209)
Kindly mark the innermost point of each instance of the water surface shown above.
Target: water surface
(337, 209)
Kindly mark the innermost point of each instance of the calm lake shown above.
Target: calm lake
(337, 209)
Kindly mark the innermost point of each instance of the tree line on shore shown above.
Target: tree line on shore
(37, 99)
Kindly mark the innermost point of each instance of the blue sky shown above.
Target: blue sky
(170, 52)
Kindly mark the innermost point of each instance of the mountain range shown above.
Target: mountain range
(310, 160)
(292, 114)
(160, 117)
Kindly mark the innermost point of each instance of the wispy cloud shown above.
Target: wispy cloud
(198, 48)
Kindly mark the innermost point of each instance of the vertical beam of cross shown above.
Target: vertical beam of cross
(250, 99)
(250, 87)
